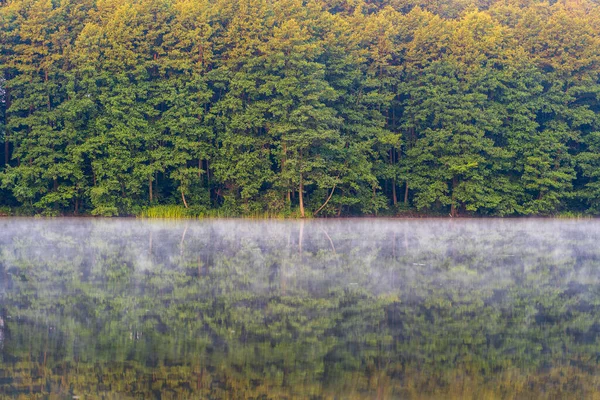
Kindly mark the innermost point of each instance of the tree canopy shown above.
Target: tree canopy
(316, 107)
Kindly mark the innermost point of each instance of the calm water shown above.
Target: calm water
(344, 309)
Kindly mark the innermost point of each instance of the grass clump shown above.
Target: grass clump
(165, 211)
(180, 212)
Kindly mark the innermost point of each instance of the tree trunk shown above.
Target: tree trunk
(183, 198)
(326, 201)
(207, 174)
(394, 197)
(301, 188)
(301, 196)
(406, 194)
(7, 104)
(453, 212)
(283, 160)
(150, 188)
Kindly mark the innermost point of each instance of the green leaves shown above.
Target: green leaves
(263, 105)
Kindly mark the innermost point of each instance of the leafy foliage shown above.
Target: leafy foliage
(311, 108)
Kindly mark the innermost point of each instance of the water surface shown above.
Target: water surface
(345, 309)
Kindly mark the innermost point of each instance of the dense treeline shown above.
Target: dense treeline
(325, 107)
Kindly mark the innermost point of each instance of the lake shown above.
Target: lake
(316, 309)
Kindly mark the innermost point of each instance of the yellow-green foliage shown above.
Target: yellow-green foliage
(166, 211)
(333, 107)
(180, 212)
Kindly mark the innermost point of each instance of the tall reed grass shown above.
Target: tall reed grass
(180, 212)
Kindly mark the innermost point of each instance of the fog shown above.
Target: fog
(286, 303)
(376, 254)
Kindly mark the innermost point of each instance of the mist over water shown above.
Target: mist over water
(360, 308)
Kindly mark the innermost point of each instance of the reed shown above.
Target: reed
(165, 211)
(180, 212)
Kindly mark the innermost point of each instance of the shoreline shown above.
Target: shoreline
(347, 217)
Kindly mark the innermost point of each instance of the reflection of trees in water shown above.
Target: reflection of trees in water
(1, 332)
(234, 309)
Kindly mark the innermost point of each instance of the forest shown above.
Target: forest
(300, 108)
